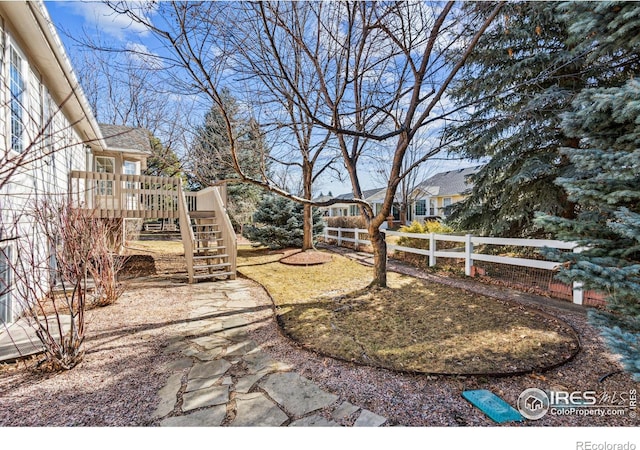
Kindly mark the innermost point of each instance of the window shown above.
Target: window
(421, 207)
(130, 168)
(5, 284)
(105, 164)
(354, 210)
(16, 88)
(446, 203)
(433, 207)
(47, 122)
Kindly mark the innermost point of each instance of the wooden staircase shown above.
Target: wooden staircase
(210, 259)
(209, 240)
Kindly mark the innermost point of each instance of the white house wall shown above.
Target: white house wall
(54, 148)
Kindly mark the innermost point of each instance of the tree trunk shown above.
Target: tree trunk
(307, 214)
(307, 228)
(379, 256)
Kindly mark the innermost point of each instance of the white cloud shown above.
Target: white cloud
(104, 18)
(141, 54)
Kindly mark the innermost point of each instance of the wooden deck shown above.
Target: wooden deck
(114, 196)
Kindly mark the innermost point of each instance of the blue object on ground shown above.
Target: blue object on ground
(493, 406)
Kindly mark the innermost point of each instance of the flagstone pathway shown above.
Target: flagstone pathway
(221, 377)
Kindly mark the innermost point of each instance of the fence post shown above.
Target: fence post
(578, 292)
(468, 250)
(339, 237)
(432, 249)
(355, 238)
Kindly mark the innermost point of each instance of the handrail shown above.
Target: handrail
(188, 238)
(228, 234)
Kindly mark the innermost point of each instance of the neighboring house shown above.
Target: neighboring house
(429, 200)
(52, 139)
(433, 197)
(345, 209)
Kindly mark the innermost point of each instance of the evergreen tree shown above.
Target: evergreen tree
(163, 161)
(211, 159)
(605, 182)
(278, 223)
(520, 77)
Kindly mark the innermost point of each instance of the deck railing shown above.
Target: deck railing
(127, 196)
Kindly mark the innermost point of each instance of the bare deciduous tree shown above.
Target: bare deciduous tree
(381, 70)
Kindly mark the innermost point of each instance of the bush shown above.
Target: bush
(346, 222)
(278, 223)
(430, 226)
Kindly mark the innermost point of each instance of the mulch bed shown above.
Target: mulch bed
(307, 258)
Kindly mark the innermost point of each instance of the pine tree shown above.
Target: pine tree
(605, 181)
(163, 161)
(521, 76)
(211, 159)
(278, 223)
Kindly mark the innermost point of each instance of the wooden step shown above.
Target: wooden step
(211, 266)
(212, 275)
(202, 214)
(221, 255)
(204, 249)
(208, 240)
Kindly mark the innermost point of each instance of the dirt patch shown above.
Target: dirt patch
(307, 258)
(138, 266)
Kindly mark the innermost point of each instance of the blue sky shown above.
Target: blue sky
(95, 18)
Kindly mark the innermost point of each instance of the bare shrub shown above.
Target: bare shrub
(105, 264)
(346, 222)
(59, 250)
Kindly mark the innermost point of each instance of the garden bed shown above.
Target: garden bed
(414, 326)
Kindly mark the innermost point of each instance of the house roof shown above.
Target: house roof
(449, 183)
(122, 138)
(322, 198)
(365, 194)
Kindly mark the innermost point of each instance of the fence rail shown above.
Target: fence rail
(465, 251)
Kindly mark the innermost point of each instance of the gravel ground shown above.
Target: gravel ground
(123, 369)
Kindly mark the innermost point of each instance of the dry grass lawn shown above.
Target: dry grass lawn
(413, 326)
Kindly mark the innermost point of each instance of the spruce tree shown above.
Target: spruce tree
(520, 77)
(278, 223)
(211, 160)
(605, 181)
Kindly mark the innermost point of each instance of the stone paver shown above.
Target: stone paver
(229, 377)
(369, 419)
(344, 410)
(296, 393)
(211, 417)
(255, 409)
(210, 369)
(202, 398)
(168, 396)
(314, 421)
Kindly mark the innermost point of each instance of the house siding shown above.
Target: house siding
(52, 148)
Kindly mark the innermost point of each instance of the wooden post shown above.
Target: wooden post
(339, 237)
(468, 250)
(355, 234)
(578, 292)
(432, 249)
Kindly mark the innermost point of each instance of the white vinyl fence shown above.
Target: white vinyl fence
(465, 251)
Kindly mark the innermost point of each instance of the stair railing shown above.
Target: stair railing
(186, 232)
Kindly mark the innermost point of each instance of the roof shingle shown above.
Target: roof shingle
(119, 137)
